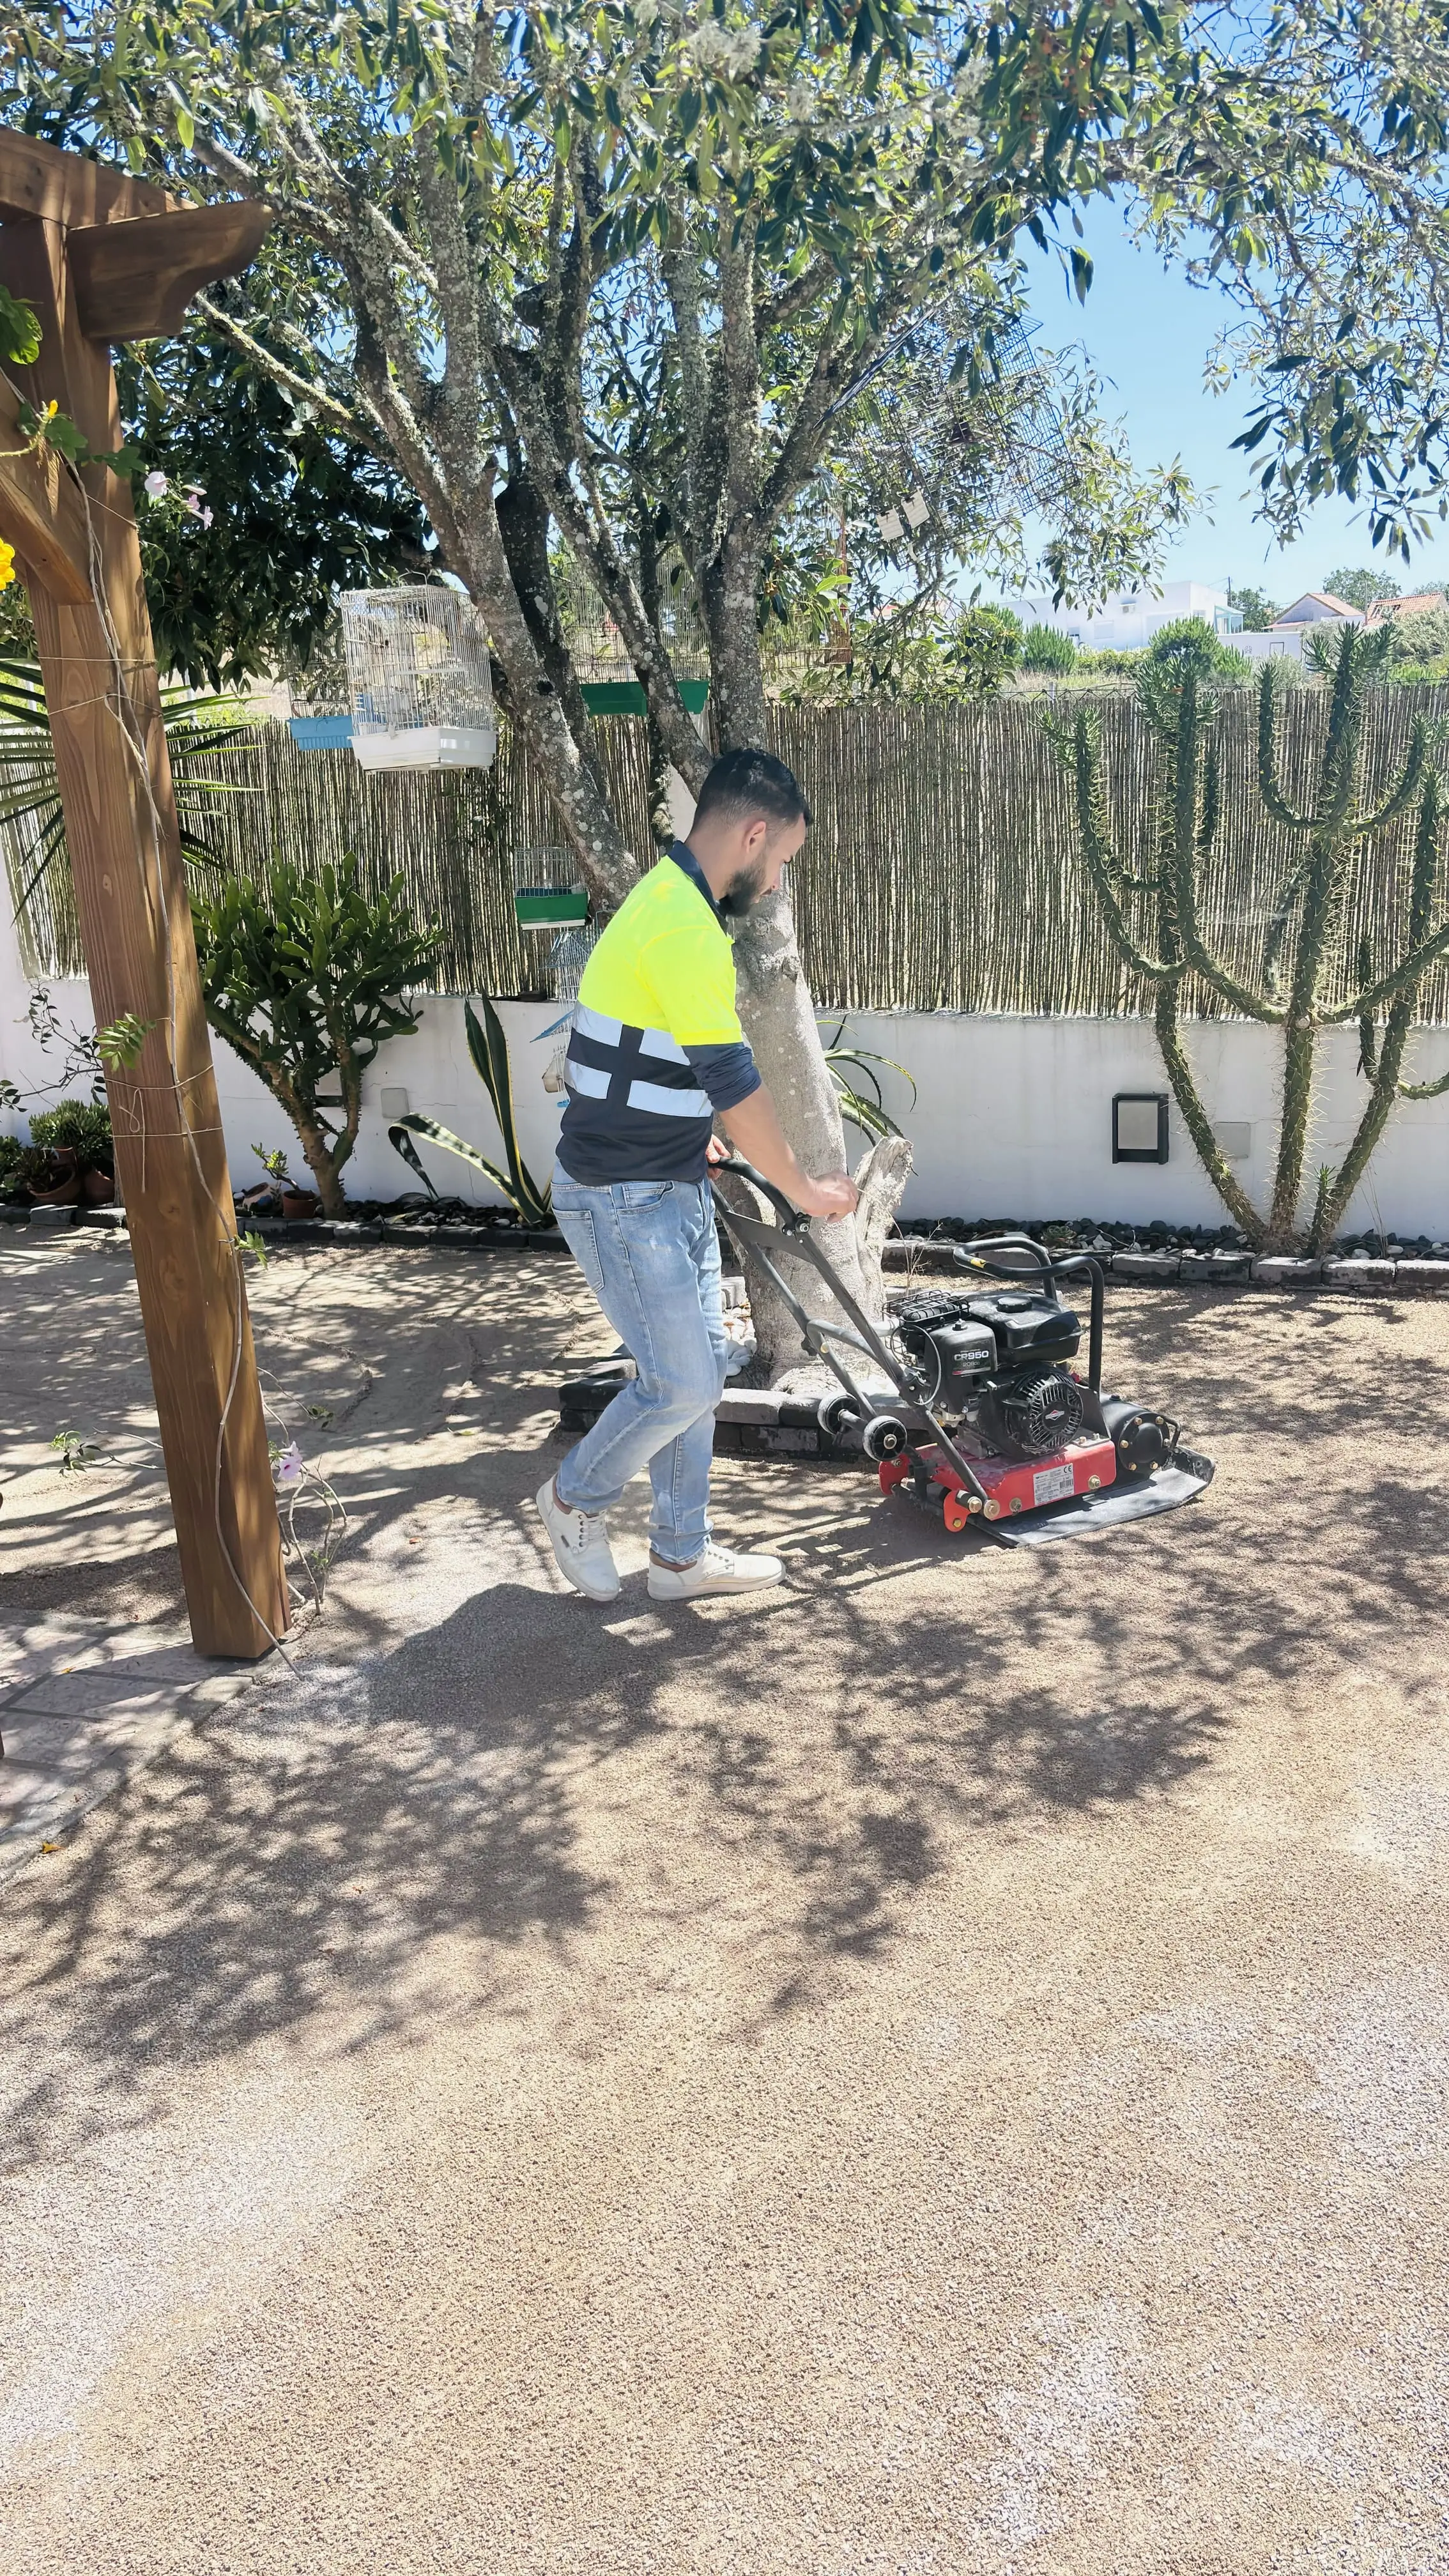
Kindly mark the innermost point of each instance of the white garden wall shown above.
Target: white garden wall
(1013, 1115)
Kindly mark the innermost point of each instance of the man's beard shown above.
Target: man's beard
(743, 892)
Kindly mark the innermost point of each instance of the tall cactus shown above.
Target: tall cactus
(1154, 917)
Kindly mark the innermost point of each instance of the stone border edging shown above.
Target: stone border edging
(925, 1256)
(308, 1229)
(929, 1256)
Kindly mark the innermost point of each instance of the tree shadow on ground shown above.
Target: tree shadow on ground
(308, 1853)
(371, 1849)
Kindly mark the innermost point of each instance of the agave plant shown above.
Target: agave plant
(198, 725)
(488, 1048)
(864, 1109)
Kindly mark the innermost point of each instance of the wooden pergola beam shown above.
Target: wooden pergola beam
(102, 257)
(68, 187)
(133, 281)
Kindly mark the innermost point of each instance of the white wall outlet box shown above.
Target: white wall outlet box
(394, 1101)
(1235, 1139)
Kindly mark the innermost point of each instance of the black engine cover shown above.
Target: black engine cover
(1027, 1325)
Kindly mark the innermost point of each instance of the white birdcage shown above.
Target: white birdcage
(417, 670)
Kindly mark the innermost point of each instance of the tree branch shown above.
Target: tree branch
(366, 428)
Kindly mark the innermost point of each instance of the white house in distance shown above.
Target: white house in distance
(1129, 619)
(1294, 625)
(1319, 608)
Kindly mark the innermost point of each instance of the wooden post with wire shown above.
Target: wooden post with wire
(103, 258)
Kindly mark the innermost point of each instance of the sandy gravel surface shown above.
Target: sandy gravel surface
(942, 2070)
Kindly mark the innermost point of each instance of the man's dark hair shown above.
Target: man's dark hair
(752, 782)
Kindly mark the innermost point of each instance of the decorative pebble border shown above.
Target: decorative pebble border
(928, 1255)
(919, 1255)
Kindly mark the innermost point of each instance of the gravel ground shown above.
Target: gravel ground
(939, 2070)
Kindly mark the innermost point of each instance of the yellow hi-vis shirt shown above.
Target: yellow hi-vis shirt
(657, 1045)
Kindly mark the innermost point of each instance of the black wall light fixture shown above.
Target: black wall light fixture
(1139, 1127)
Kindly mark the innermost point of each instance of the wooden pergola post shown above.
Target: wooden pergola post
(102, 259)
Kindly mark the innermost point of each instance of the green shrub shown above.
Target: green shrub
(83, 1124)
(1111, 658)
(1421, 639)
(306, 980)
(1043, 649)
(1188, 644)
(1423, 675)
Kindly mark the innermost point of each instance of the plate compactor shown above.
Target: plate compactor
(983, 1420)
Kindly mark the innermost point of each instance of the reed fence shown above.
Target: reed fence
(942, 871)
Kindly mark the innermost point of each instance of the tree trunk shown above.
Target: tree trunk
(569, 773)
(523, 523)
(317, 1149)
(775, 1003)
(779, 1021)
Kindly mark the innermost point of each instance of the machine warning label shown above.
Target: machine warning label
(1053, 1485)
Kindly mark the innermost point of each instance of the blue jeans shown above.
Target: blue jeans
(649, 1251)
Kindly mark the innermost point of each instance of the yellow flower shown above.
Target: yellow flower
(7, 565)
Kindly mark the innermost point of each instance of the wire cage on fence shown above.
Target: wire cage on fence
(568, 957)
(417, 669)
(548, 892)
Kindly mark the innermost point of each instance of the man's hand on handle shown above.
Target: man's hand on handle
(836, 1195)
(754, 1130)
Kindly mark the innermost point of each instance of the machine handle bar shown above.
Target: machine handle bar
(792, 1219)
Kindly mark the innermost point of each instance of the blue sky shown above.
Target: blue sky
(1149, 331)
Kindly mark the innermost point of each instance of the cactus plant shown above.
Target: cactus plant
(1154, 917)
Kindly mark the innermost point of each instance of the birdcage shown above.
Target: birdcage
(568, 957)
(596, 646)
(417, 670)
(938, 434)
(548, 892)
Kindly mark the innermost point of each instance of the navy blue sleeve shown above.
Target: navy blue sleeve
(728, 1074)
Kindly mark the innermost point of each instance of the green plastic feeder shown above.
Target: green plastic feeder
(550, 907)
(626, 697)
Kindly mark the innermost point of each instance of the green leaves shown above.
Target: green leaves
(120, 1042)
(532, 1204)
(306, 978)
(852, 1066)
(488, 1047)
(19, 331)
(197, 727)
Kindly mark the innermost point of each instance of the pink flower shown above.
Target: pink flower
(155, 485)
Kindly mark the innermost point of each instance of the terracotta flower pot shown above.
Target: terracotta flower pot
(97, 1188)
(68, 1195)
(297, 1203)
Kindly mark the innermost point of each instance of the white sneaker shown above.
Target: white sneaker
(580, 1545)
(720, 1569)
